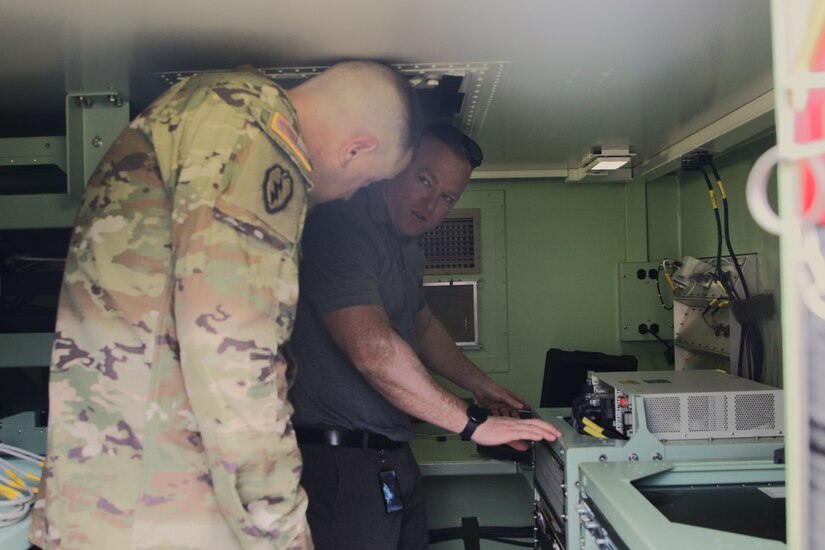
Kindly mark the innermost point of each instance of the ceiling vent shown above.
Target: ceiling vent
(458, 93)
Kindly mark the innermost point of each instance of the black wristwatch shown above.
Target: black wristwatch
(476, 415)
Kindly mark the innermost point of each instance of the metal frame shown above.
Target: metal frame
(572, 450)
(474, 344)
(93, 122)
(613, 507)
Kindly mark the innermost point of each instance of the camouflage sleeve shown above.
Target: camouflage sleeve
(235, 293)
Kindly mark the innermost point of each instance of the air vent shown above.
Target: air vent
(707, 413)
(756, 411)
(475, 83)
(663, 414)
(452, 247)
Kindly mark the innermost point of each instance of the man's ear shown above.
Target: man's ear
(355, 147)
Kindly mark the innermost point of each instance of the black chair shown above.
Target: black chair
(565, 373)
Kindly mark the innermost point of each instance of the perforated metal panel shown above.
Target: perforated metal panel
(663, 414)
(755, 411)
(452, 247)
(694, 404)
(713, 415)
(707, 413)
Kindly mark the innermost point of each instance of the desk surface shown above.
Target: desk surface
(453, 457)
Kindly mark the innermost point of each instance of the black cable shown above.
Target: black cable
(705, 319)
(740, 363)
(751, 350)
(751, 346)
(727, 230)
(659, 289)
(715, 205)
(668, 346)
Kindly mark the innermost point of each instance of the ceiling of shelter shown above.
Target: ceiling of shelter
(564, 76)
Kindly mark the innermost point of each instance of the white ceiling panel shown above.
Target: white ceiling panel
(645, 72)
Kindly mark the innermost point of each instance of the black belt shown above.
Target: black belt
(346, 438)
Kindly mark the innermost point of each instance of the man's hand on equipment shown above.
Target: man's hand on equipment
(499, 400)
(503, 430)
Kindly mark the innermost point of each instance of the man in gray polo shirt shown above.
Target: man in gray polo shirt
(364, 340)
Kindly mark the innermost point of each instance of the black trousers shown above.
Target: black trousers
(346, 504)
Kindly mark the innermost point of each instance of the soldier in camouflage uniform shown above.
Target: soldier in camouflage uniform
(169, 423)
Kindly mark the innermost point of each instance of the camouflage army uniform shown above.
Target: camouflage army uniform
(169, 423)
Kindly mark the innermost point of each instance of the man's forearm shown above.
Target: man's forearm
(391, 366)
(440, 354)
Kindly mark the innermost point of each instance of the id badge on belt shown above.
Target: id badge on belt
(391, 491)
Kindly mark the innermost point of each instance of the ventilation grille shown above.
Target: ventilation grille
(480, 81)
(707, 413)
(714, 415)
(452, 247)
(663, 414)
(755, 411)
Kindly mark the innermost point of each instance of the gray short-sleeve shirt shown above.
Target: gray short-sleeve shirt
(351, 256)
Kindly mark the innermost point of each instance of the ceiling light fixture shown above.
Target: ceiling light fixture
(602, 163)
(602, 159)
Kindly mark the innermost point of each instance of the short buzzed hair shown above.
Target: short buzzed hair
(410, 112)
(459, 143)
(410, 106)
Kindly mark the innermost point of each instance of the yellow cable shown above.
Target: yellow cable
(713, 199)
(670, 282)
(594, 433)
(721, 189)
(32, 477)
(8, 492)
(595, 427)
(16, 481)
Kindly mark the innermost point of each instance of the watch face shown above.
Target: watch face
(478, 413)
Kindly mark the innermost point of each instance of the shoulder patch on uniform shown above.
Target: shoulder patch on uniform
(277, 188)
(281, 126)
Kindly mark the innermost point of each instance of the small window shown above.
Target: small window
(455, 303)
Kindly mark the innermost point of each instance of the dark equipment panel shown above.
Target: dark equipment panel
(565, 373)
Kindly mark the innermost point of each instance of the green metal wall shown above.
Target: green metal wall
(564, 242)
(681, 223)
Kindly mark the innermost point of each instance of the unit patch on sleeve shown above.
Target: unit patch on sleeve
(286, 132)
(277, 188)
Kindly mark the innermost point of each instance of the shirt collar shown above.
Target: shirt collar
(376, 207)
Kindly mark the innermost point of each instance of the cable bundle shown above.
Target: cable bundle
(587, 418)
(750, 343)
(18, 488)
